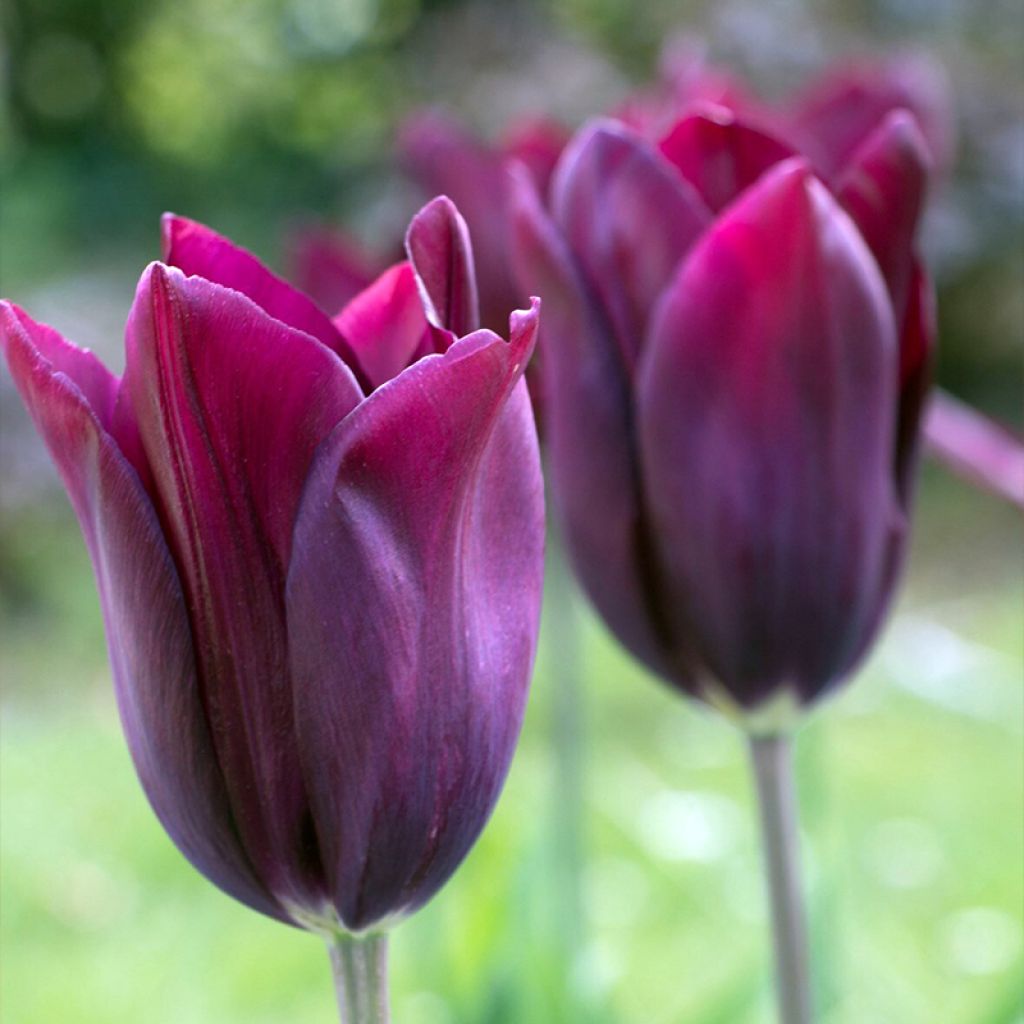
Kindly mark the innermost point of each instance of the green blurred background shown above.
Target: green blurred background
(257, 115)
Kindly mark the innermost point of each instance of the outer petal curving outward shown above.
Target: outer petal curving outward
(767, 427)
(196, 249)
(413, 601)
(589, 432)
(67, 393)
(231, 405)
(628, 218)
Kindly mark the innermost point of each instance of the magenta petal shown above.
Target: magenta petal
(231, 405)
(833, 118)
(719, 155)
(883, 189)
(442, 257)
(977, 449)
(767, 404)
(411, 644)
(385, 324)
(328, 268)
(588, 431)
(537, 143)
(628, 219)
(147, 625)
(445, 159)
(95, 383)
(196, 249)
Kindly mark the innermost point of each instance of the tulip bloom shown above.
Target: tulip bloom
(318, 546)
(735, 363)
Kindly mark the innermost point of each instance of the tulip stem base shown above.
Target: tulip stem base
(772, 758)
(360, 967)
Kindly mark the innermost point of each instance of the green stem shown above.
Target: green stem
(360, 967)
(773, 772)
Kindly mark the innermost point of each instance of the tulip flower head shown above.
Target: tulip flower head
(736, 357)
(318, 546)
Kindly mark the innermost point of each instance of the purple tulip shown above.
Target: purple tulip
(736, 359)
(318, 546)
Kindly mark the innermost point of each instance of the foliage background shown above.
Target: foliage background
(255, 115)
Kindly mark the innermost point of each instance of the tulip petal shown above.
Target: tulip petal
(628, 219)
(147, 625)
(917, 357)
(411, 644)
(766, 408)
(328, 268)
(96, 384)
(883, 189)
(840, 110)
(720, 155)
(442, 258)
(588, 432)
(537, 143)
(385, 324)
(445, 159)
(231, 405)
(196, 249)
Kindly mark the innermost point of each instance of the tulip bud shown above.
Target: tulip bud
(734, 368)
(318, 546)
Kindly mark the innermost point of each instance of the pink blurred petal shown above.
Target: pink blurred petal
(720, 155)
(970, 444)
(330, 269)
(883, 189)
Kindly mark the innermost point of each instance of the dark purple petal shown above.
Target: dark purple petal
(719, 155)
(413, 600)
(767, 420)
(231, 405)
(328, 268)
(147, 626)
(196, 249)
(628, 219)
(442, 258)
(883, 190)
(917, 357)
(589, 432)
(385, 324)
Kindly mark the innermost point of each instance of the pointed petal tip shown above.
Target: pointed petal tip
(900, 131)
(523, 325)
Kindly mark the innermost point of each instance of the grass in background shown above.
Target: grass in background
(911, 787)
